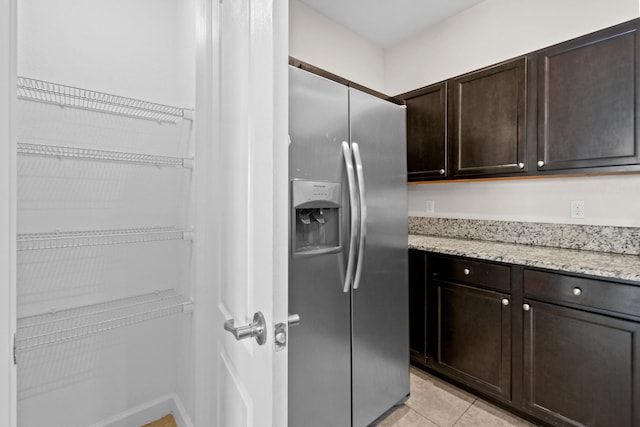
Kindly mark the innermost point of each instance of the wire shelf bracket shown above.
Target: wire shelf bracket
(59, 326)
(28, 149)
(74, 239)
(85, 99)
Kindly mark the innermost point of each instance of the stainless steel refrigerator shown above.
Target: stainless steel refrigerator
(349, 356)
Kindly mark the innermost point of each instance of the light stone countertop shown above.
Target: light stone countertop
(600, 264)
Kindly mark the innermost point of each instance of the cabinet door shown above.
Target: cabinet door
(580, 368)
(588, 101)
(417, 306)
(474, 337)
(427, 133)
(488, 124)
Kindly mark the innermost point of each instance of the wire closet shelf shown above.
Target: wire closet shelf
(69, 96)
(59, 326)
(93, 154)
(75, 239)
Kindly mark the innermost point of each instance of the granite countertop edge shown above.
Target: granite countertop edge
(598, 264)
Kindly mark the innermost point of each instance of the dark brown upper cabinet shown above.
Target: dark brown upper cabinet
(579, 100)
(488, 120)
(427, 133)
(588, 101)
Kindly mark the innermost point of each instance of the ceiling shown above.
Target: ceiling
(386, 22)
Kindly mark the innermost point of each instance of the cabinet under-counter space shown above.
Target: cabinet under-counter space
(549, 333)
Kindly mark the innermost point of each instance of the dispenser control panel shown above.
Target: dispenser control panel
(321, 191)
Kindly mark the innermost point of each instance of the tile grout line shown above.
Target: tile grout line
(465, 411)
(426, 418)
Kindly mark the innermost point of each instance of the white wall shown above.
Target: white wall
(493, 31)
(609, 200)
(136, 49)
(319, 41)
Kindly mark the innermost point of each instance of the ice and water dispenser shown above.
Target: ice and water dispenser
(316, 214)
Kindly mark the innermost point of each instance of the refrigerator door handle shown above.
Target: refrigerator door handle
(363, 212)
(353, 204)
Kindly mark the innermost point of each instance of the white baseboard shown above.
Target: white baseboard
(148, 412)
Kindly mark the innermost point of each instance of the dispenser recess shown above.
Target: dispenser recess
(316, 213)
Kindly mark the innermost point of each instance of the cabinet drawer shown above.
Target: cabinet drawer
(488, 275)
(611, 296)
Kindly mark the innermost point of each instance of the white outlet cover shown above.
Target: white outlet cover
(431, 206)
(577, 209)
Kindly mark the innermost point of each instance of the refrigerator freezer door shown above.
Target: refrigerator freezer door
(380, 319)
(320, 347)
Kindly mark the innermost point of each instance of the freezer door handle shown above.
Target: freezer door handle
(363, 212)
(257, 329)
(353, 205)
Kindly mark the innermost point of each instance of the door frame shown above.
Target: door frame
(204, 289)
(8, 79)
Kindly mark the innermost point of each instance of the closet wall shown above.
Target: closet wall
(104, 211)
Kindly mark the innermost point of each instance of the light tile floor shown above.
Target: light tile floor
(434, 403)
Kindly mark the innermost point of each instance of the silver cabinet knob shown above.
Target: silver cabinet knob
(441, 171)
(466, 271)
(577, 291)
(505, 301)
(540, 163)
(257, 329)
(521, 165)
(526, 307)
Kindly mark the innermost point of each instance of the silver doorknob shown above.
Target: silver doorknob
(466, 271)
(257, 329)
(521, 165)
(526, 307)
(505, 301)
(577, 291)
(441, 171)
(540, 163)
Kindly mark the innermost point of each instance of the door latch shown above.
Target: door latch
(280, 335)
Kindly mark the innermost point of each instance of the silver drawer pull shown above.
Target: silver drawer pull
(466, 271)
(577, 291)
(526, 307)
(505, 301)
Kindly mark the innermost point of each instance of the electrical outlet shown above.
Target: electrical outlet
(431, 206)
(577, 209)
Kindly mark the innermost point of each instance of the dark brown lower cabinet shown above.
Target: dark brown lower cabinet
(580, 368)
(562, 349)
(474, 337)
(417, 307)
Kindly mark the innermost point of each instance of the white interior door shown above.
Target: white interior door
(249, 207)
(7, 213)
